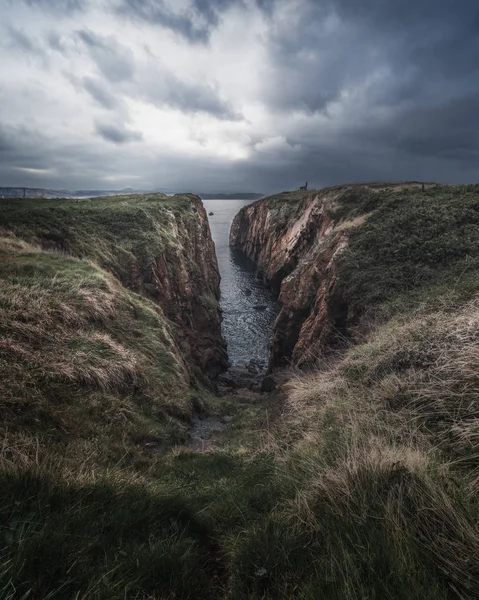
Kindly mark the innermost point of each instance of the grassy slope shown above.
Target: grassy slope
(134, 237)
(115, 232)
(413, 242)
(382, 442)
(360, 483)
(81, 357)
(80, 354)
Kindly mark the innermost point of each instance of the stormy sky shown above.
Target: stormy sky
(237, 95)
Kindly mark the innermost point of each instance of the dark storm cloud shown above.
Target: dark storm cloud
(406, 75)
(449, 131)
(118, 134)
(337, 44)
(349, 91)
(22, 148)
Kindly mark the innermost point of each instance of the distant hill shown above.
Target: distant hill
(25, 192)
(20, 192)
(95, 193)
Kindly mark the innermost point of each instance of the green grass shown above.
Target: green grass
(157, 246)
(326, 516)
(122, 234)
(414, 240)
(102, 540)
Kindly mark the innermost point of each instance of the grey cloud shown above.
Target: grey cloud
(63, 6)
(167, 89)
(6, 142)
(21, 147)
(320, 161)
(337, 44)
(157, 85)
(195, 24)
(359, 91)
(114, 60)
(449, 131)
(100, 93)
(118, 134)
(33, 159)
(55, 41)
(19, 39)
(157, 13)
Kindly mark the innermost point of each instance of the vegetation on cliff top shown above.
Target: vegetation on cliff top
(117, 233)
(358, 481)
(414, 244)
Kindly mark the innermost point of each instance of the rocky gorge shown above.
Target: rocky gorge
(184, 279)
(133, 463)
(295, 240)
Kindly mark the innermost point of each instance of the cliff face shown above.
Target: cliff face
(157, 246)
(341, 253)
(294, 239)
(185, 281)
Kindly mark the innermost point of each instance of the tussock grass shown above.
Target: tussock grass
(383, 448)
(121, 234)
(81, 356)
(427, 367)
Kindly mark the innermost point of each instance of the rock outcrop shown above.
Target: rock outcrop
(294, 239)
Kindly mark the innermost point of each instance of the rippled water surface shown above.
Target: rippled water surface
(246, 329)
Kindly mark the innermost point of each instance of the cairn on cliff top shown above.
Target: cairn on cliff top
(304, 187)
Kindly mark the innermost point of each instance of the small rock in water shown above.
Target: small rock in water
(260, 307)
(248, 292)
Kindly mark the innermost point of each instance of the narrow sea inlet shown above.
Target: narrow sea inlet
(249, 308)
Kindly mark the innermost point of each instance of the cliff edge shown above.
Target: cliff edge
(110, 319)
(157, 246)
(335, 254)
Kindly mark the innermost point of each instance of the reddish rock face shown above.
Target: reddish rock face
(294, 241)
(185, 281)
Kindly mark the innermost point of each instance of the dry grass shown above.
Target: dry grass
(388, 435)
(82, 357)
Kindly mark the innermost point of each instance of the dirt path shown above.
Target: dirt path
(204, 431)
(249, 412)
